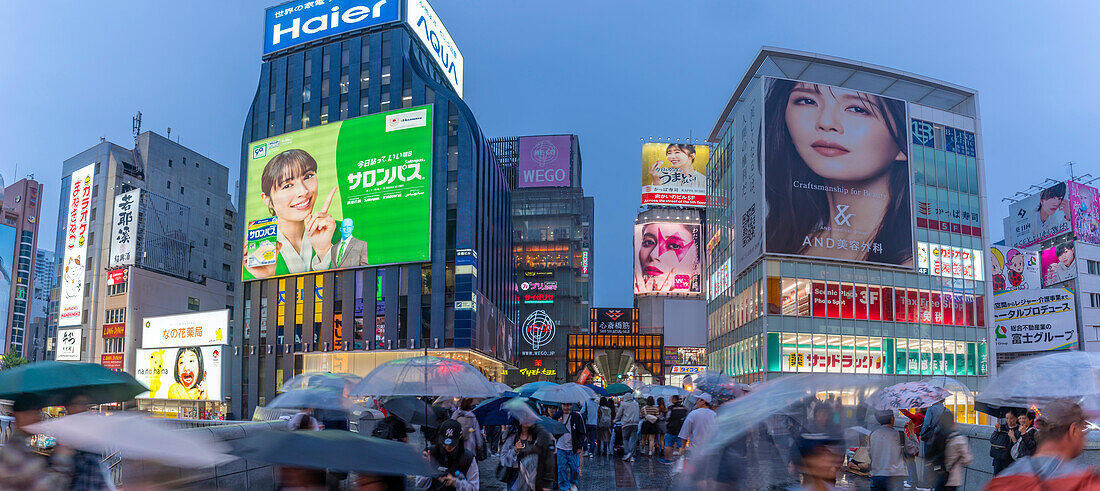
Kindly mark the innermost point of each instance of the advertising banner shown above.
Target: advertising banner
(116, 276)
(113, 330)
(537, 331)
(1059, 263)
(949, 261)
(123, 240)
(667, 258)
(1038, 217)
(748, 233)
(836, 164)
(7, 272)
(187, 373)
(293, 23)
(720, 280)
(431, 32)
(685, 355)
(68, 344)
(1041, 319)
(194, 329)
(821, 360)
(74, 259)
(343, 195)
(1014, 269)
(544, 161)
(1084, 210)
(613, 321)
(112, 361)
(674, 174)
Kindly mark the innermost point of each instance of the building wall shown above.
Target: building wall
(360, 73)
(22, 210)
(1088, 294)
(762, 324)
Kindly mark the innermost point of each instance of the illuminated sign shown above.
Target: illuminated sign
(114, 330)
(584, 262)
(685, 369)
(112, 361)
(539, 285)
(293, 23)
(539, 273)
(74, 260)
(949, 262)
(538, 331)
(613, 321)
(116, 277)
(538, 298)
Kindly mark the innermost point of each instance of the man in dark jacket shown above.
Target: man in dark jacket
(569, 445)
(676, 415)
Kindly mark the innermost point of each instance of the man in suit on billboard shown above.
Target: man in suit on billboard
(349, 252)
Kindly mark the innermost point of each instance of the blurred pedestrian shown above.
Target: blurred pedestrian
(699, 424)
(604, 424)
(817, 458)
(912, 443)
(23, 468)
(536, 468)
(888, 470)
(471, 430)
(1027, 441)
(569, 447)
(957, 455)
(392, 428)
(89, 472)
(1052, 467)
(304, 420)
(649, 426)
(662, 425)
(457, 464)
(628, 415)
(675, 421)
(590, 411)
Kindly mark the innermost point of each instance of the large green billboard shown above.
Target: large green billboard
(347, 194)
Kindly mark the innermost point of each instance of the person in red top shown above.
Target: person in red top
(912, 432)
(1063, 430)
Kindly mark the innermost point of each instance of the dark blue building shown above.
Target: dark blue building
(461, 304)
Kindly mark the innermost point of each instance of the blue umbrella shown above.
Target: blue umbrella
(527, 389)
(490, 412)
(599, 390)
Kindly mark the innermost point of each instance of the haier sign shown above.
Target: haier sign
(302, 21)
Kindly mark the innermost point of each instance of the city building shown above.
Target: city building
(438, 277)
(18, 243)
(552, 227)
(877, 272)
(142, 232)
(45, 265)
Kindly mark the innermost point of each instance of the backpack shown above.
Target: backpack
(605, 417)
(676, 416)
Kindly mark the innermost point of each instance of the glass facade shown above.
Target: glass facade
(468, 304)
(783, 315)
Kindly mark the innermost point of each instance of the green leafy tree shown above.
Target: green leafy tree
(12, 361)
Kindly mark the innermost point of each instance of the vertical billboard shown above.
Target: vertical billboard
(343, 195)
(185, 373)
(301, 21)
(1038, 217)
(674, 174)
(538, 331)
(431, 32)
(123, 228)
(1059, 263)
(1041, 319)
(748, 180)
(544, 161)
(1084, 210)
(1013, 269)
(836, 171)
(68, 344)
(74, 257)
(7, 272)
(667, 258)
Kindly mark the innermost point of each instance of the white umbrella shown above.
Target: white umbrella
(320, 379)
(134, 437)
(563, 394)
(425, 376)
(503, 387)
(1038, 380)
(665, 391)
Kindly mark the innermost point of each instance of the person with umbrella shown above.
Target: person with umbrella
(817, 458)
(23, 468)
(533, 445)
(888, 469)
(1064, 433)
(569, 446)
(699, 423)
(472, 439)
(88, 469)
(1005, 433)
(458, 464)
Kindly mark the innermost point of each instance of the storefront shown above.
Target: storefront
(610, 358)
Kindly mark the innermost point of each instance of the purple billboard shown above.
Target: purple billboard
(544, 161)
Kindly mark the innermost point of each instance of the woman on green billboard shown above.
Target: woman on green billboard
(289, 189)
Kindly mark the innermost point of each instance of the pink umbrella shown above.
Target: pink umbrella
(909, 395)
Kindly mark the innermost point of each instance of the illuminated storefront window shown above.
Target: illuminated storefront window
(839, 300)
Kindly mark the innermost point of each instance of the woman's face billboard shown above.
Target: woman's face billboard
(837, 174)
(666, 258)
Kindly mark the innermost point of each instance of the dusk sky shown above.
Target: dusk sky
(611, 72)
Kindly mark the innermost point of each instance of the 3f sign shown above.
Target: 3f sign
(323, 22)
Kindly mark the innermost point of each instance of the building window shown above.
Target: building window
(406, 98)
(169, 162)
(344, 83)
(228, 246)
(116, 289)
(207, 201)
(1094, 299)
(228, 226)
(192, 303)
(324, 114)
(385, 106)
(169, 184)
(115, 316)
(181, 189)
(207, 220)
(1094, 266)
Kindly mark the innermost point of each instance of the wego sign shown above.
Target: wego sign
(538, 331)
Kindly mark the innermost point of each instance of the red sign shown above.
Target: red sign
(114, 362)
(842, 301)
(675, 199)
(116, 276)
(114, 330)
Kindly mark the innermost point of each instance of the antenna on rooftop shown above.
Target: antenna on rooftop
(137, 124)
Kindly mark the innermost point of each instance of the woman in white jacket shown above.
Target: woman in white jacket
(957, 455)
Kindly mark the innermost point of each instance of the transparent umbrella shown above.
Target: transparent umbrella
(314, 398)
(1040, 379)
(502, 387)
(665, 391)
(563, 394)
(320, 379)
(425, 376)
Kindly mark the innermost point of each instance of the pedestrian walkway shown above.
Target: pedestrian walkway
(601, 473)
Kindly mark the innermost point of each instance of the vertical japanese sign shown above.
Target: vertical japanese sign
(748, 204)
(68, 344)
(124, 228)
(1034, 320)
(75, 260)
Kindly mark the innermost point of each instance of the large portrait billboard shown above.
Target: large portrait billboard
(667, 258)
(343, 195)
(836, 173)
(1059, 263)
(1037, 217)
(1084, 209)
(544, 161)
(1013, 269)
(187, 373)
(674, 174)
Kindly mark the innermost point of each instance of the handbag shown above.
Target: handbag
(650, 418)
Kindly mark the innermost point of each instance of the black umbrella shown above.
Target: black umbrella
(554, 426)
(333, 449)
(53, 383)
(416, 412)
(996, 411)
